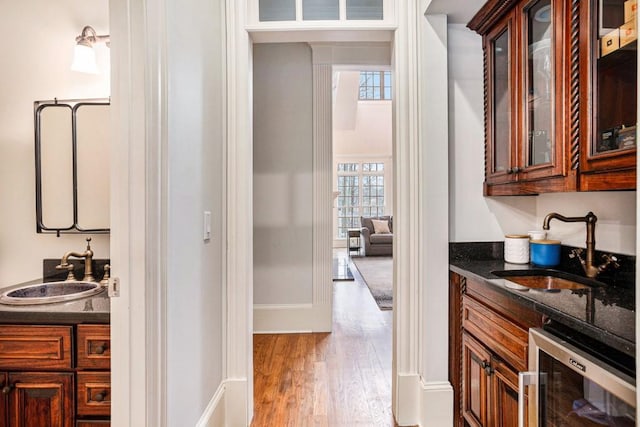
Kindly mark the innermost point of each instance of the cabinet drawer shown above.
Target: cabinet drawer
(94, 393)
(504, 338)
(94, 347)
(35, 347)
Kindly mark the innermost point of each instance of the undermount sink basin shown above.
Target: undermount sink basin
(50, 292)
(544, 280)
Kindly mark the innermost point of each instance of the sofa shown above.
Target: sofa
(378, 243)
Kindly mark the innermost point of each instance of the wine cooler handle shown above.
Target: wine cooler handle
(524, 379)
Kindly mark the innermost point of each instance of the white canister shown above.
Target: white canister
(516, 248)
(537, 234)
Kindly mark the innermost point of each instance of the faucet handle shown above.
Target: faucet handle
(69, 268)
(88, 239)
(576, 252)
(105, 277)
(610, 261)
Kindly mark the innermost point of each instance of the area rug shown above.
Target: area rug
(377, 273)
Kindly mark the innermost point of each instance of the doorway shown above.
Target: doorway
(293, 98)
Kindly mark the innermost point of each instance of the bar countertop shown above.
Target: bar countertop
(606, 313)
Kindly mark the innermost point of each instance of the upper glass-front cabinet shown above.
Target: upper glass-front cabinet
(560, 95)
(526, 70)
(524, 112)
(308, 12)
(609, 130)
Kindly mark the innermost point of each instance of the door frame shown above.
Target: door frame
(139, 207)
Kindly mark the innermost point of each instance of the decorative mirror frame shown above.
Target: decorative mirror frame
(73, 105)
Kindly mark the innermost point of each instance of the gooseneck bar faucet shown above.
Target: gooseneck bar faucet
(590, 220)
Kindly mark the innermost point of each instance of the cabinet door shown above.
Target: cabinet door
(608, 83)
(41, 399)
(4, 399)
(541, 89)
(500, 117)
(504, 395)
(476, 367)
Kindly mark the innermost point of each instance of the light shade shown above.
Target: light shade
(84, 59)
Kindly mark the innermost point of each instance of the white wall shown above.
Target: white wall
(38, 38)
(196, 162)
(283, 172)
(360, 127)
(615, 230)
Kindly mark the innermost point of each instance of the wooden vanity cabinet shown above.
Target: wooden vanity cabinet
(93, 375)
(43, 382)
(37, 378)
(488, 347)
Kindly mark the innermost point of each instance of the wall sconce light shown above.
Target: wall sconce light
(84, 57)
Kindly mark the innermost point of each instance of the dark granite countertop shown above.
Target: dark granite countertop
(606, 313)
(93, 309)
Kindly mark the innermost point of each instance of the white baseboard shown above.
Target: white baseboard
(214, 413)
(291, 318)
(236, 404)
(424, 404)
(407, 399)
(436, 404)
(227, 407)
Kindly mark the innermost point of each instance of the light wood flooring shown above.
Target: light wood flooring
(342, 379)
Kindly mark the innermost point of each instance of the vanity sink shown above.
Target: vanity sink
(50, 292)
(544, 280)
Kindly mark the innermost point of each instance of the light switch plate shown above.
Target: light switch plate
(206, 235)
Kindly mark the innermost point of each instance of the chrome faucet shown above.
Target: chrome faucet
(88, 260)
(588, 266)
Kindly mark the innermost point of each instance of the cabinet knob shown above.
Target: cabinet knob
(101, 348)
(99, 397)
(7, 389)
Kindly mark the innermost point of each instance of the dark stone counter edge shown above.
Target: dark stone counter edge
(53, 317)
(618, 343)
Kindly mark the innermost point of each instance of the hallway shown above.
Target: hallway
(342, 379)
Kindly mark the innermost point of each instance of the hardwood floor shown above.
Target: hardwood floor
(342, 379)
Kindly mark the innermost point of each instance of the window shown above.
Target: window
(375, 85)
(361, 193)
(329, 10)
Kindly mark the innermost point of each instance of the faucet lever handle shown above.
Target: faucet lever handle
(610, 261)
(576, 252)
(105, 277)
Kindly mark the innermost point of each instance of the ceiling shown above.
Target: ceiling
(457, 11)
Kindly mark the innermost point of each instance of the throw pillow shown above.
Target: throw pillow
(381, 226)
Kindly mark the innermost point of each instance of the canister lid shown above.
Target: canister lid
(516, 236)
(546, 242)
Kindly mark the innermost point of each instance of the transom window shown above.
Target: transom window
(361, 193)
(375, 85)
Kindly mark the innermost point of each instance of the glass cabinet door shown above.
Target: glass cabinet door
(616, 70)
(502, 103)
(608, 86)
(539, 84)
(500, 115)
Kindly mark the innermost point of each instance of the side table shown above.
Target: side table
(353, 240)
